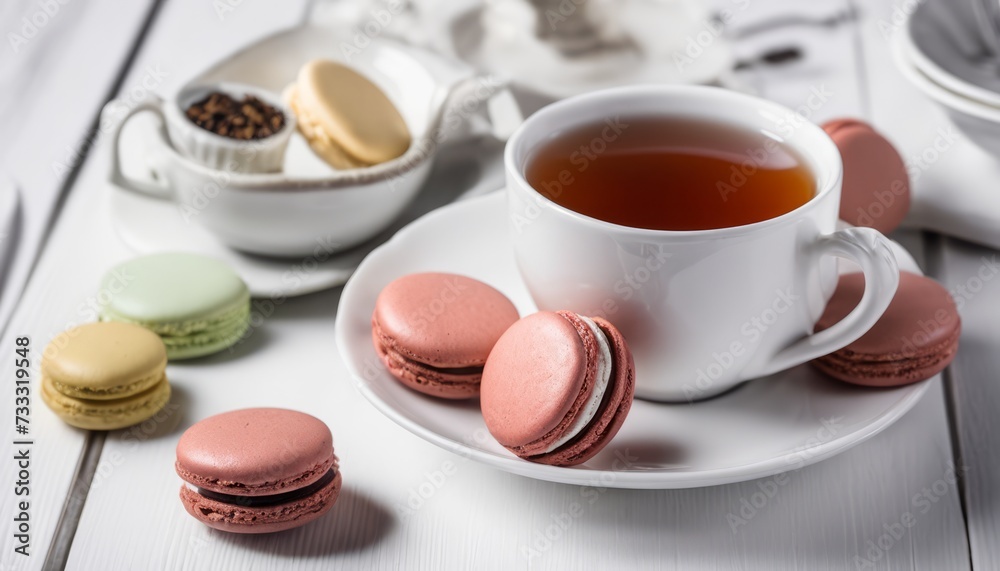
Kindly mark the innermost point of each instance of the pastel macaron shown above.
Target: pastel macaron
(198, 305)
(876, 188)
(434, 331)
(105, 376)
(258, 470)
(347, 120)
(915, 339)
(557, 387)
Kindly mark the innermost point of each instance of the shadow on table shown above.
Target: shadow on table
(166, 422)
(319, 305)
(355, 523)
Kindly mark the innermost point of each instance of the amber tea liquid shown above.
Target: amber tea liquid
(670, 173)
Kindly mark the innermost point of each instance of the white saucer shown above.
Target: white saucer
(764, 427)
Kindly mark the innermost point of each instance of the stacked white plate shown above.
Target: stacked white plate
(943, 49)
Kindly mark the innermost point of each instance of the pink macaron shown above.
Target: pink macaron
(258, 470)
(434, 331)
(557, 387)
(876, 190)
(915, 339)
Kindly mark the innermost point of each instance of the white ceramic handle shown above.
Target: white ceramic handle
(466, 96)
(118, 177)
(870, 250)
(504, 113)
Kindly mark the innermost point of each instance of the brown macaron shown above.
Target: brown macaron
(876, 190)
(915, 339)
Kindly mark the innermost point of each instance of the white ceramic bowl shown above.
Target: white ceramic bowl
(273, 215)
(225, 153)
(978, 121)
(930, 40)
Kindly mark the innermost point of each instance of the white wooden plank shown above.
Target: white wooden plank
(917, 125)
(969, 271)
(821, 517)
(53, 88)
(57, 64)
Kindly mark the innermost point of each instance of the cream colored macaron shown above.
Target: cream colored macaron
(347, 120)
(106, 375)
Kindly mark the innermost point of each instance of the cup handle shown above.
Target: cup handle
(503, 114)
(870, 250)
(117, 176)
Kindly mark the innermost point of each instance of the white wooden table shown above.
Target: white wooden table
(110, 501)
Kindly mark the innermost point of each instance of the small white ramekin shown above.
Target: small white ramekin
(215, 151)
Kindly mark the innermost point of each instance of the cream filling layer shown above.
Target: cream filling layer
(600, 386)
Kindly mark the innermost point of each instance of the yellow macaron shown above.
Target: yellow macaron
(105, 376)
(347, 120)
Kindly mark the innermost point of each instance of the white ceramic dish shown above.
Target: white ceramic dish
(536, 69)
(931, 45)
(287, 214)
(978, 121)
(763, 427)
(149, 225)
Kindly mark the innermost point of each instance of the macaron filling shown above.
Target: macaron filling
(463, 371)
(107, 393)
(152, 399)
(388, 347)
(224, 319)
(601, 381)
(269, 500)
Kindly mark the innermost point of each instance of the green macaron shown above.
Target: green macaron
(196, 304)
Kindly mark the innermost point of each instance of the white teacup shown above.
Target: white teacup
(702, 310)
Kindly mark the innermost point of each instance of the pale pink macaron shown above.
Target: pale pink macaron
(876, 191)
(557, 387)
(434, 331)
(258, 470)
